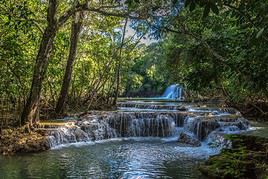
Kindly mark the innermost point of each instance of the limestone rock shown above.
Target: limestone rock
(188, 139)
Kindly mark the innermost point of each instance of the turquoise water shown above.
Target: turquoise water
(118, 158)
(112, 159)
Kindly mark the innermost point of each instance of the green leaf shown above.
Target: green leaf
(260, 33)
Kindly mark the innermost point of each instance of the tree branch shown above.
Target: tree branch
(38, 26)
(205, 44)
(101, 10)
(246, 15)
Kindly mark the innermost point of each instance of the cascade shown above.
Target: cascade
(96, 125)
(173, 92)
(155, 118)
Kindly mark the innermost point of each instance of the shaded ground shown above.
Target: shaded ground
(19, 140)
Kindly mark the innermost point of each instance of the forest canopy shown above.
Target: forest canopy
(58, 56)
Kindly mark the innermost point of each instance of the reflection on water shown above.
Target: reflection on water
(114, 159)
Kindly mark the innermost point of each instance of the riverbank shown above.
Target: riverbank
(255, 111)
(200, 122)
(248, 158)
(19, 140)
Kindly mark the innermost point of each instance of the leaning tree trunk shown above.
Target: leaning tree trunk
(118, 66)
(29, 111)
(76, 28)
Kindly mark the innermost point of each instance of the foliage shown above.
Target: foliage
(22, 25)
(246, 159)
(209, 47)
(224, 52)
(18, 44)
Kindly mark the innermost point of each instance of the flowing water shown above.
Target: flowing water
(139, 140)
(173, 92)
(113, 159)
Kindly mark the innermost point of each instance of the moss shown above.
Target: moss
(248, 158)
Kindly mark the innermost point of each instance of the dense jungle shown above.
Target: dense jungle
(74, 72)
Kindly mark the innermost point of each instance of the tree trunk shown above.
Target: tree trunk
(118, 68)
(76, 28)
(29, 112)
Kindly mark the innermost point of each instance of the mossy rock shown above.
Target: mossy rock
(248, 158)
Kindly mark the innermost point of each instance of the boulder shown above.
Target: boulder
(188, 139)
(216, 139)
(80, 135)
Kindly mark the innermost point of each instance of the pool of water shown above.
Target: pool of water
(115, 158)
(110, 159)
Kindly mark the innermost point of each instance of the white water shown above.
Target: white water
(173, 92)
(153, 123)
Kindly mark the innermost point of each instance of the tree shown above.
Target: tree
(29, 111)
(53, 24)
(76, 29)
(118, 66)
(222, 52)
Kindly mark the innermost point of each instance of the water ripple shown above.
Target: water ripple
(113, 159)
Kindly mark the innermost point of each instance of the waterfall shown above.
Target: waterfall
(173, 92)
(137, 106)
(161, 126)
(64, 135)
(99, 126)
(145, 124)
(158, 120)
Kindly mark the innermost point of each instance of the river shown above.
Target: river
(148, 154)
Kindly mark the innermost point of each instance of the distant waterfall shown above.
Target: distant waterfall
(174, 91)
